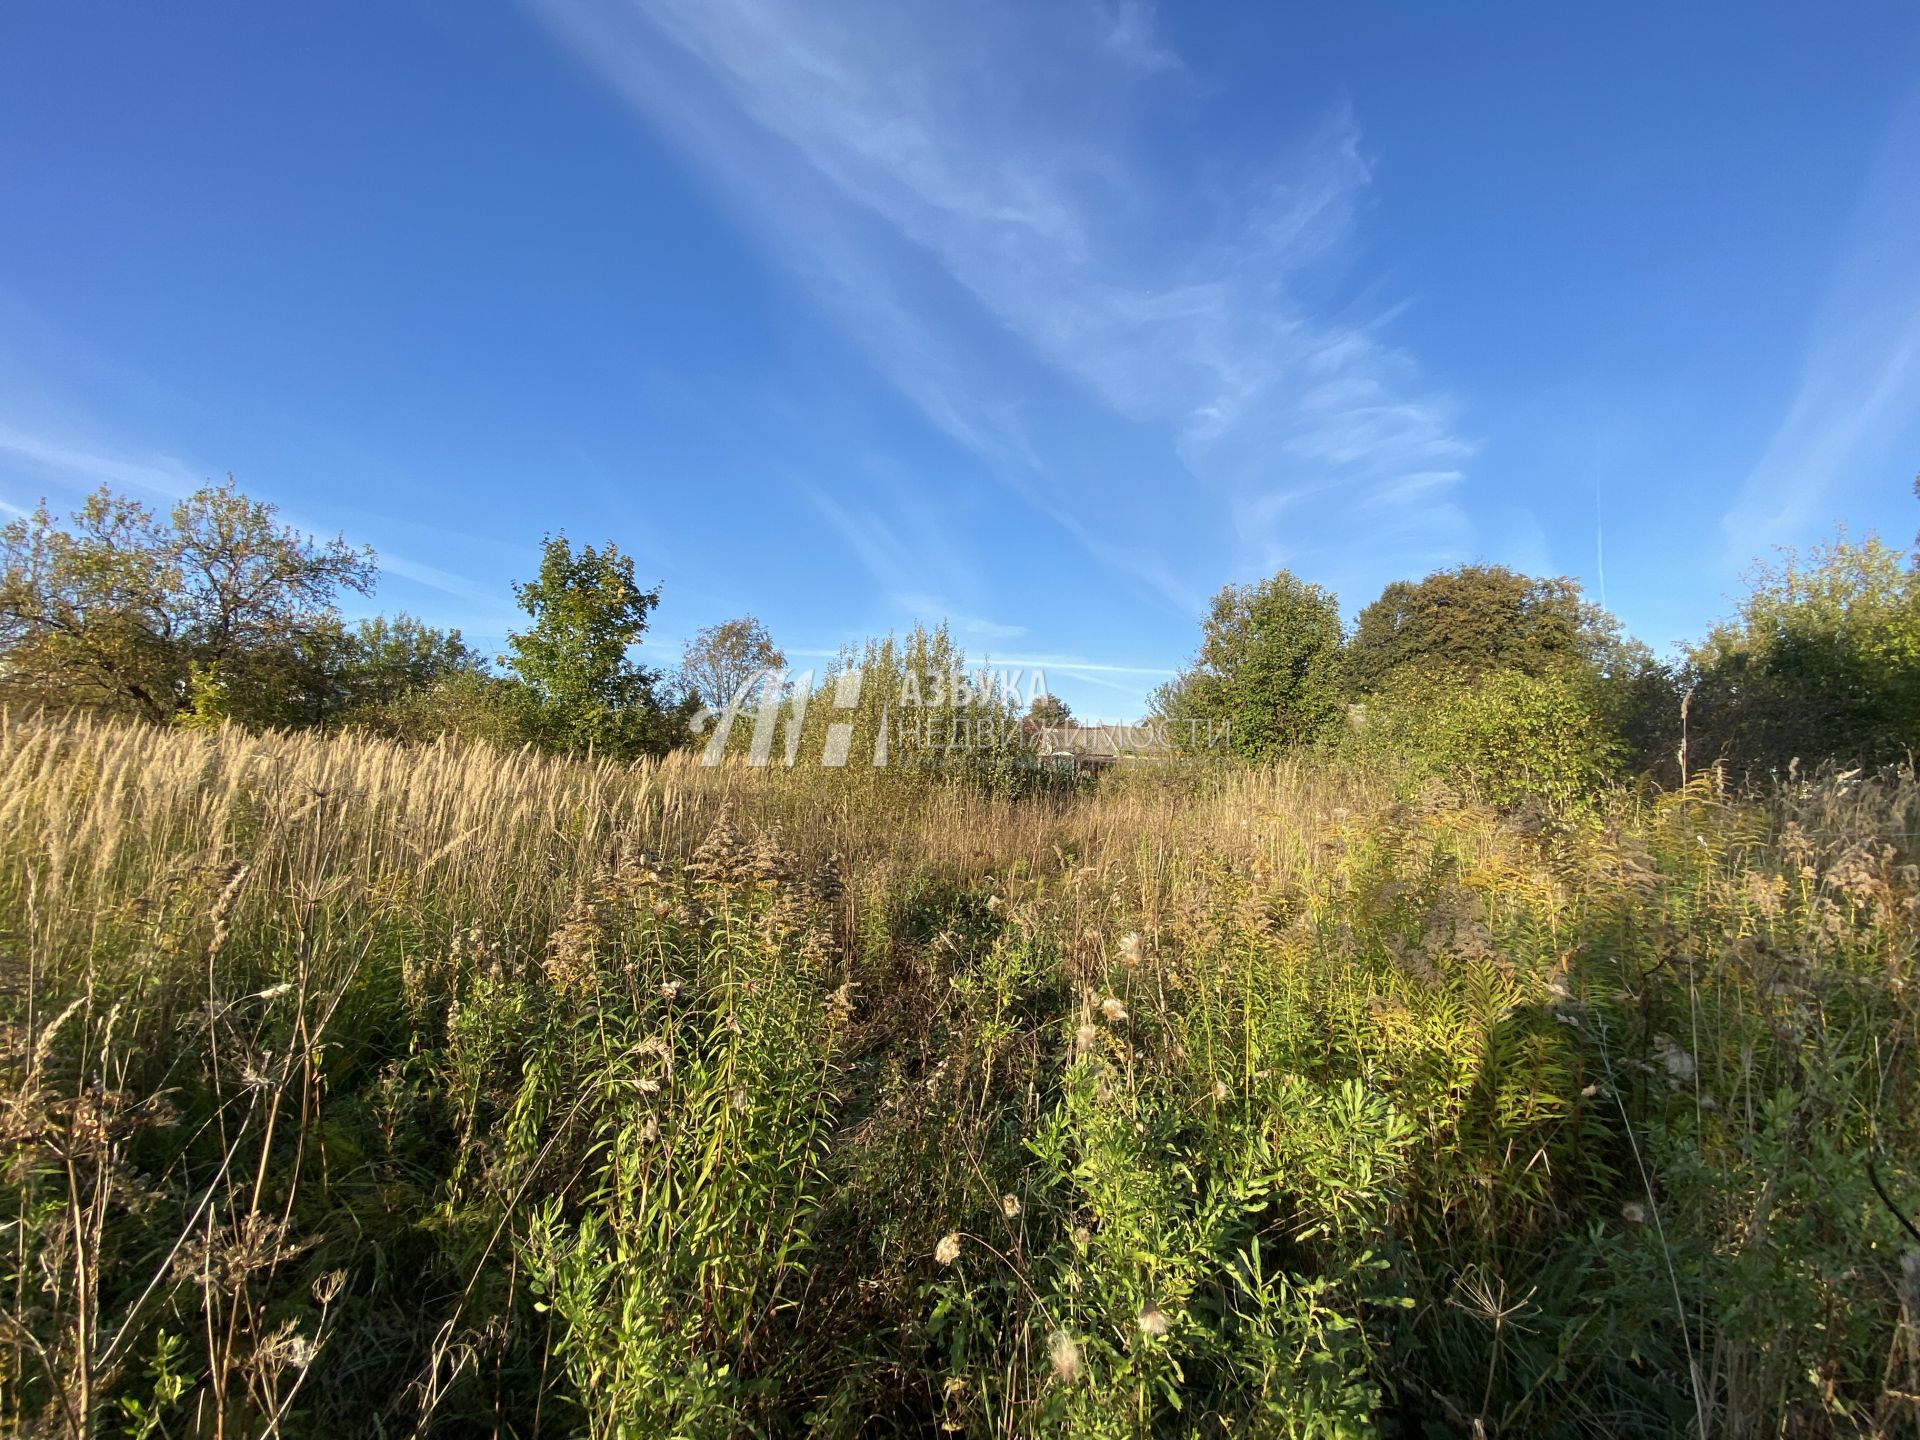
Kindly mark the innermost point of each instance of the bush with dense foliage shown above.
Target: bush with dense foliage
(1823, 661)
(1267, 674)
(1508, 736)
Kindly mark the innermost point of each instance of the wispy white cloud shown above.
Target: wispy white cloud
(1081, 666)
(72, 464)
(904, 556)
(1859, 379)
(1132, 36)
(968, 628)
(902, 553)
(488, 607)
(949, 178)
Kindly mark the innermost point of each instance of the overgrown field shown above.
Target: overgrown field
(353, 1089)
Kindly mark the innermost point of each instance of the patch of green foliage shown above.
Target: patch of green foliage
(1822, 661)
(1267, 674)
(1511, 737)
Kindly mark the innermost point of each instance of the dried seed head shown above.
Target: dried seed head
(1112, 1009)
(1679, 1064)
(948, 1250)
(285, 1349)
(722, 858)
(235, 877)
(1634, 1213)
(1063, 1353)
(828, 885)
(772, 863)
(1153, 1320)
(1130, 948)
(1009, 1206)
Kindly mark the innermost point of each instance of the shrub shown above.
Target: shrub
(1823, 662)
(467, 704)
(1508, 737)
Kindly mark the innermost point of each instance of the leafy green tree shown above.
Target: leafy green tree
(588, 613)
(1823, 661)
(385, 665)
(1477, 618)
(1268, 666)
(217, 608)
(721, 658)
(1049, 710)
(384, 659)
(1189, 696)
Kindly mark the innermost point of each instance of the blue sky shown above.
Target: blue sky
(1046, 316)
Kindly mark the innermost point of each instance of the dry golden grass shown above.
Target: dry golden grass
(361, 1088)
(106, 812)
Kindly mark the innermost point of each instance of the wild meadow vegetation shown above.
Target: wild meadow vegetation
(363, 1089)
(1434, 1064)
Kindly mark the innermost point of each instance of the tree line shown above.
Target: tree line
(217, 611)
(1519, 682)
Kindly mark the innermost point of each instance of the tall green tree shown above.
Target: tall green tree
(1268, 666)
(219, 602)
(1473, 619)
(1476, 626)
(575, 660)
(721, 658)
